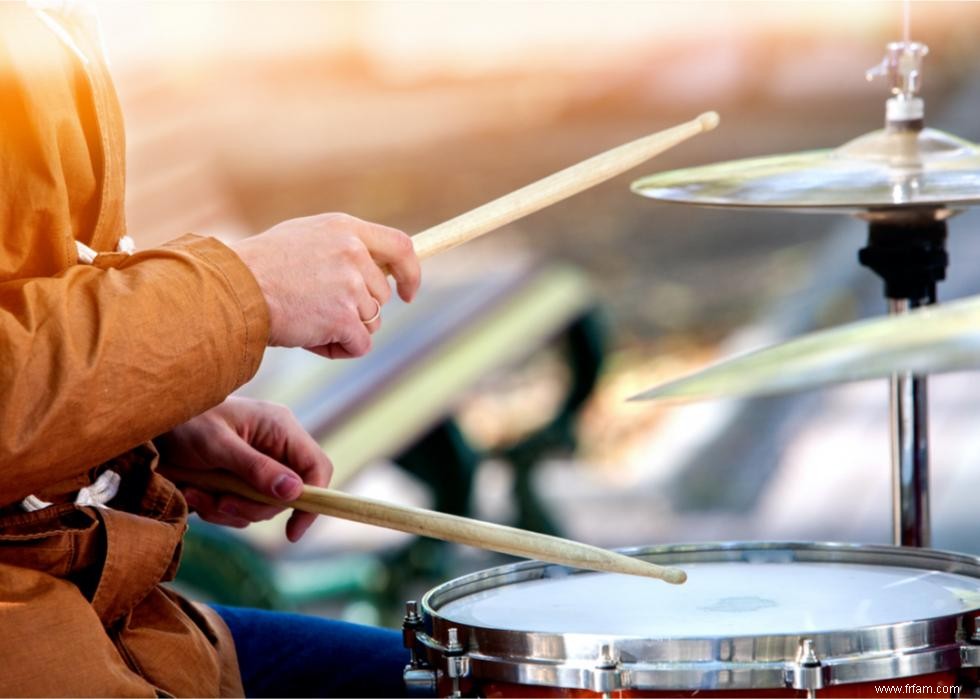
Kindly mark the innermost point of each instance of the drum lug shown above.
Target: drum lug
(970, 655)
(970, 649)
(420, 678)
(807, 672)
(411, 625)
(608, 674)
(457, 662)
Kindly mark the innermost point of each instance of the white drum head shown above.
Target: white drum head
(721, 599)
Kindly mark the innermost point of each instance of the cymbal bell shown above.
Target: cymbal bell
(932, 339)
(886, 169)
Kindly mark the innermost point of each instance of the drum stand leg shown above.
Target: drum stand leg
(909, 254)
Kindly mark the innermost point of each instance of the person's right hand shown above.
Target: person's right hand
(323, 276)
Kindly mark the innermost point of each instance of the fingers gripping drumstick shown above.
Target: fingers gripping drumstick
(445, 236)
(556, 187)
(438, 525)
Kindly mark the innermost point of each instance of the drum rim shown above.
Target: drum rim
(863, 654)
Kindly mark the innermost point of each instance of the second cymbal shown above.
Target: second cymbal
(926, 340)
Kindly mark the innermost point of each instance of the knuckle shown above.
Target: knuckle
(361, 254)
(361, 344)
(351, 322)
(351, 248)
(255, 466)
(353, 283)
(409, 270)
(268, 405)
(281, 410)
(352, 332)
(403, 244)
(334, 218)
(279, 433)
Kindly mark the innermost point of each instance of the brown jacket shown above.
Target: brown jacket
(96, 360)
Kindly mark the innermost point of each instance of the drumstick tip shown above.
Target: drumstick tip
(709, 120)
(675, 576)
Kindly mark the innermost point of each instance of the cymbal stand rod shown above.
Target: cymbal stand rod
(909, 425)
(909, 253)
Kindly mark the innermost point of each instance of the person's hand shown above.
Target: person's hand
(263, 444)
(324, 276)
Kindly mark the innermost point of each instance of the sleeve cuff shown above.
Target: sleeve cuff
(243, 287)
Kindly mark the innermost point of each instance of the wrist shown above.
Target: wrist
(252, 257)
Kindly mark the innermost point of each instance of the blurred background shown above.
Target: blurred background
(241, 114)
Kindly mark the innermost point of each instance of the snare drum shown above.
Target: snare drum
(753, 619)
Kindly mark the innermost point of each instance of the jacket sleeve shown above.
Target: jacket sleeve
(99, 359)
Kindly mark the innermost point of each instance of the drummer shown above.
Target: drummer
(114, 363)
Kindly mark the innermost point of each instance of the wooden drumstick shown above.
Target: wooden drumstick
(556, 187)
(439, 525)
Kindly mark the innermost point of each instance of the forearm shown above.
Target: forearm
(95, 361)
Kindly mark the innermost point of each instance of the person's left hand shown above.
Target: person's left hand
(260, 442)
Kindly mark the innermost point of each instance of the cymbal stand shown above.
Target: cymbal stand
(909, 254)
(907, 249)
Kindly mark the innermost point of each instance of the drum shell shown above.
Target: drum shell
(849, 691)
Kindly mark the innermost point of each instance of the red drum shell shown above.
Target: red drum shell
(848, 691)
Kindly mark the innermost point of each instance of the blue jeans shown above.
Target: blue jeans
(293, 655)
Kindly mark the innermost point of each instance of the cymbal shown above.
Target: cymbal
(885, 169)
(932, 339)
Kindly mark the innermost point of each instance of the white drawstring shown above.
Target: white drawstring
(32, 503)
(101, 491)
(126, 245)
(87, 255)
(104, 489)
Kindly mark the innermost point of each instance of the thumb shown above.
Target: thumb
(267, 475)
